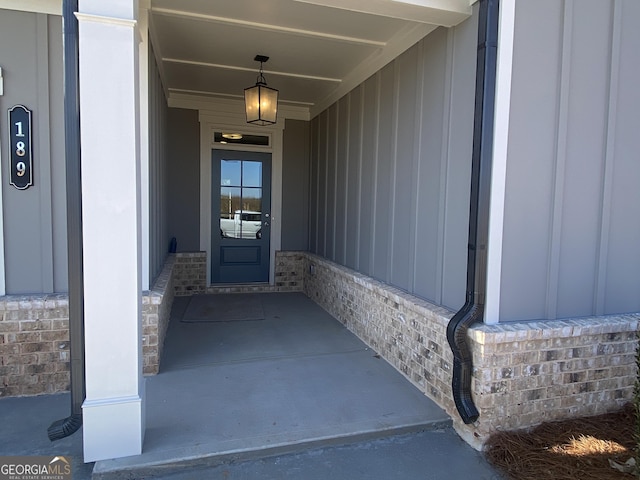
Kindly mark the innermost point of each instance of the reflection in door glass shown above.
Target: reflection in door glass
(251, 174)
(241, 199)
(230, 173)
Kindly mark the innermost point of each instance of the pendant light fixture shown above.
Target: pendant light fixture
(260, 101)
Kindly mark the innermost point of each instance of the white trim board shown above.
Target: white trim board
(232, 120)
(51, 7)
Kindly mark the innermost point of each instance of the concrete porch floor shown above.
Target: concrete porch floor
(248, 389)
(232, 395)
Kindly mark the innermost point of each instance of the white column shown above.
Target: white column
(113, 412)
(2, 275)
(499, 162)
(143, 28)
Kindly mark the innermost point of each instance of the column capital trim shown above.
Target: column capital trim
(122, 22)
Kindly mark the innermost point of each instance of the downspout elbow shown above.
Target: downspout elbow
(462, 359)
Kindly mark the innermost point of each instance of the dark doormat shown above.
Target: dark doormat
(224, 308)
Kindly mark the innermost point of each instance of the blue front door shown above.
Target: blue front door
(241, 216)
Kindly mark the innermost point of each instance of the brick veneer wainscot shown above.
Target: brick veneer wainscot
(524, 373)
(34, 344)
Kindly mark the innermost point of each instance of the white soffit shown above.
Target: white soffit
(447, 13)
(51, 7)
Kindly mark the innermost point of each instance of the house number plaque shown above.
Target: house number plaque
(21, 171)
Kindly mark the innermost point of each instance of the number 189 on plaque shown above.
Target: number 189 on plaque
(21, 171)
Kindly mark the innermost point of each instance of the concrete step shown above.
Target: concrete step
(202, 457)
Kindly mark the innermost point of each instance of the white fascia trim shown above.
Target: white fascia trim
(499, 161)
(122, 22)
(50, 7)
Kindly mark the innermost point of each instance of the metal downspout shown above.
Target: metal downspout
(473, 309)
(67, 426)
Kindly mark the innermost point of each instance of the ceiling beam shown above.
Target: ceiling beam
(446, 13)
(267, 27)
(253, 70)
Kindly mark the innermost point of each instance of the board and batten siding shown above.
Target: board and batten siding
(158, 178)
(391, 166)
(572, 199)
(35, 246)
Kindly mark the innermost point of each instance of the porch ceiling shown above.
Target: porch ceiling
(319, 49)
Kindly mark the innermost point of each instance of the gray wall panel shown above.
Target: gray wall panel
(429, 174)
(384, 172)
(403, 214)
(183, 203)
(30, 56)
(331, 182)
(368, 173)
(407, 194)
(322, 213)
(532, 158)
(295, 193)
(571, 229)
(58, 179)
(342, 186)
(313, 186)
(590, 45)
(456, 180)
(354, 174)
(158, 178)
(620, 281)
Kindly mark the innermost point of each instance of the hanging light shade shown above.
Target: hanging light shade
(260, 101)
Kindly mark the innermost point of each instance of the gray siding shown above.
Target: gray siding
(158, 178)
(184, 178)
(295, 190)
(571, 225)
(34, 219)
(390, 169)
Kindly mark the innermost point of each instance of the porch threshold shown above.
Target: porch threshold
(244, 390)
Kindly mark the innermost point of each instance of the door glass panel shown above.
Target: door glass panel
(240, 199)
(231, 173)
(251, 174)
(230, 198)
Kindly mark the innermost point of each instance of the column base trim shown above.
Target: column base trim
(113, 427)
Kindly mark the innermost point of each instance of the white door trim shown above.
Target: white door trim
(211, 121)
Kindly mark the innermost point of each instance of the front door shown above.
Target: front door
(241, 211)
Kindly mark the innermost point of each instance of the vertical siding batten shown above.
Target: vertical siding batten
(322, 205)
(376, 161)
(415, 178)
(393, 175)
(354, 142)
(314, 178)
(609, 159)
(446, 139)
(384, 202)
(42, 151)
(562, 120)
(332, 179)
(342, 184)
(586, 141)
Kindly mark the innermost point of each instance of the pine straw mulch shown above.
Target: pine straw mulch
(566, 450)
